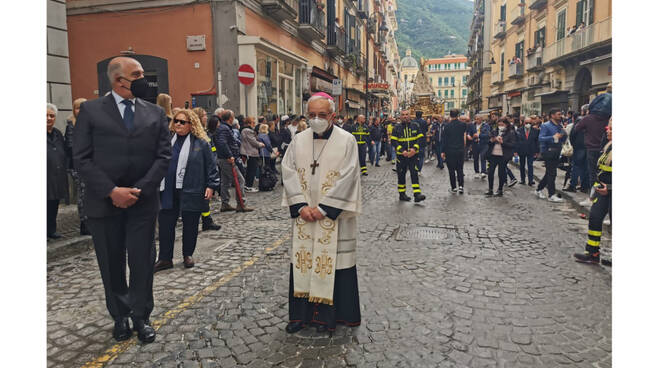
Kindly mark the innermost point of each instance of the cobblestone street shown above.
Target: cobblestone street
(457, 281)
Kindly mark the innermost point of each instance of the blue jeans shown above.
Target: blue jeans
(393, 151)
(375, 151)
(579, 162)
(421, 158)
(479, 157)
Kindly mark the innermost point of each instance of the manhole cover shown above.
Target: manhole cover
(425, 233)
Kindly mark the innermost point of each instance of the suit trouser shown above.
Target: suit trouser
(252, 166)
(362, 155)
(438, 151)
(479, 157)
(422, 148)
(602, 205)
(592, 166)
(501, 172)
(114, 237)
(455, 165)
(166, 229)
(227, 179)
(527, 162)
(52, 206)
(404, 164)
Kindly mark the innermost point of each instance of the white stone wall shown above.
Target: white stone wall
(58, 89)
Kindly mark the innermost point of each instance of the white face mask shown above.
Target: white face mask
(528, 126)
(318, 125)
(502, 129)
(340, 121)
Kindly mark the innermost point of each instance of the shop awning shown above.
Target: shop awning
(352, 104)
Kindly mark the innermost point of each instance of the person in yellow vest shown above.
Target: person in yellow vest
(207, 220)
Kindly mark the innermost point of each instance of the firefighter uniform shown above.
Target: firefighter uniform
(602, 205)
(361, 134)
(407, 136)
(207, 220)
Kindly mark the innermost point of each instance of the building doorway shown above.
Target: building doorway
(285, 94)
(155, 72)
(582, 86)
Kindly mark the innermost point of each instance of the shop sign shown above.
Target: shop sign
(321, 85)
(336, 87)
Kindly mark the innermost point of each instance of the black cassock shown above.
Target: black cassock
(346, 299)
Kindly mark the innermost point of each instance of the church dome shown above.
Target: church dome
(408, 61)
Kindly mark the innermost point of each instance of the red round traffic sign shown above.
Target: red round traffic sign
(245, 74)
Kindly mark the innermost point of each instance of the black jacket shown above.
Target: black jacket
(406, 136)
(453, 134)
(106, 154)
(376, 133)
(201, 173)
(508, 143)
(57, 185)
(527, 145)
(423, 127)
(68, 142)
(225, 142)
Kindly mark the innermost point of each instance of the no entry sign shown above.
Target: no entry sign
(245, 74)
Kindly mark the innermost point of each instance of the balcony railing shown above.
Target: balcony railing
(500, 30)
(336, 40)
(498, 78)
(281, 9)
(516, 71)
(363, 8)
(535, 61)
(593, 34)
(538, 4)
(311, 20)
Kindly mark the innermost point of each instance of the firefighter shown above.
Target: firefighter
(361, 134)
(406, 138)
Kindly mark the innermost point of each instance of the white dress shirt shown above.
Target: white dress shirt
(121, 106)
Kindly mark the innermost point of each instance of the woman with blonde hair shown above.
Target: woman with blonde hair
(191, 178)
(207, 220)
(302, 125)
(165, 101)
(80, 185)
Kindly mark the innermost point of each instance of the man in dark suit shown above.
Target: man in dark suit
(122, 150)
(527, 149)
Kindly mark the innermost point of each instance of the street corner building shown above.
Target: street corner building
(192, 51)
(528, 57)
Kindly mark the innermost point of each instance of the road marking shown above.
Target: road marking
(113, 352)
(225, 245)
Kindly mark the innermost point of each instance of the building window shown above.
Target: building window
(452, 93)
(464, 92)
(503, 13)
(584, 12)
(450, 105)
(439, 81)
(520, 49)
(453, 82)
(266, 84)
(465, 79)
(561, 24)
(439, 93)
(446, 81)
(446, 93)
(539, 38)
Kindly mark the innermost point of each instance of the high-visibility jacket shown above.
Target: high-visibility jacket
(406, 136)
(360, 133)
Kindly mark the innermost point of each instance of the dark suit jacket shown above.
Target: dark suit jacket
(527, 145)
(106, 154)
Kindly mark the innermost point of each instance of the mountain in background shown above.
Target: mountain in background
(433, 28)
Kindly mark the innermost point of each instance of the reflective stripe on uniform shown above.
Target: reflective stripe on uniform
(213, 149)
(417, 190)
(361, 142)
(206, 214)
(593, 243)
(402, 185)
(402, 190)
(605, 168)
(415, 185)
(595, 233)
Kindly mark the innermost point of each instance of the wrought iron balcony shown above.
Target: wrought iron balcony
(311, 20)
(363, 8)
(594, 34)
(336, 40)
(538, 4)
(500, 29)
(281, 9)
(535, 61)
(520, 19)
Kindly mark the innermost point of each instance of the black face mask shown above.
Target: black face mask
(139, 87)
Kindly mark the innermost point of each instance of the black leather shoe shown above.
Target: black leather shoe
(208, 224)
(404, 197)
(83, 229)
(419, 197)
(294, 327)
(499, 193)
(145, 332)
(163, 265)
(122, 330)
(55, 235)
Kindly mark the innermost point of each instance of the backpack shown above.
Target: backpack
(567, 148)
(267, 179)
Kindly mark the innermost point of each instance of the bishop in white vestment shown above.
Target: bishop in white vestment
(322, 189)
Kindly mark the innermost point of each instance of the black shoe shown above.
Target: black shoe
(293, 327)
(522, 182)
(513, 182)
(531, 183)
(499, 193)
(460, 190)
(208, 224)
(586, 257)
(364, 174)
(419, 197)
(55, 235)
(489, 193)
(377, 165)
(453, 190)
(83, 229)
(321, 328)
(570, 189)
(146, 333)
(404, 197)
(122, 330)
(244, 209)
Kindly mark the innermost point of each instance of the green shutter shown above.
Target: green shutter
(579, 14)
(591, 12)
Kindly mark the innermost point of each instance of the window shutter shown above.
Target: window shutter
(358, 39)
(591, 12)
(579, 13)
(503, 13)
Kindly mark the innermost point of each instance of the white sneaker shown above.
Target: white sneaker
(477, 176)
(555, 199)
(540, 194)
(484, 176)
(586, 203)
(251, 190)
(426, 161)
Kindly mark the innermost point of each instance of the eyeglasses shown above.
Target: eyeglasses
(182, 122)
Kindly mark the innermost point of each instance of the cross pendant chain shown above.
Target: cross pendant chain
(314, 166)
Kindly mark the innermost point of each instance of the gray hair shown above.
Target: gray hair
(52, 107)
(331, 102)
(218, 111)
(114, 69)
(584, 108)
